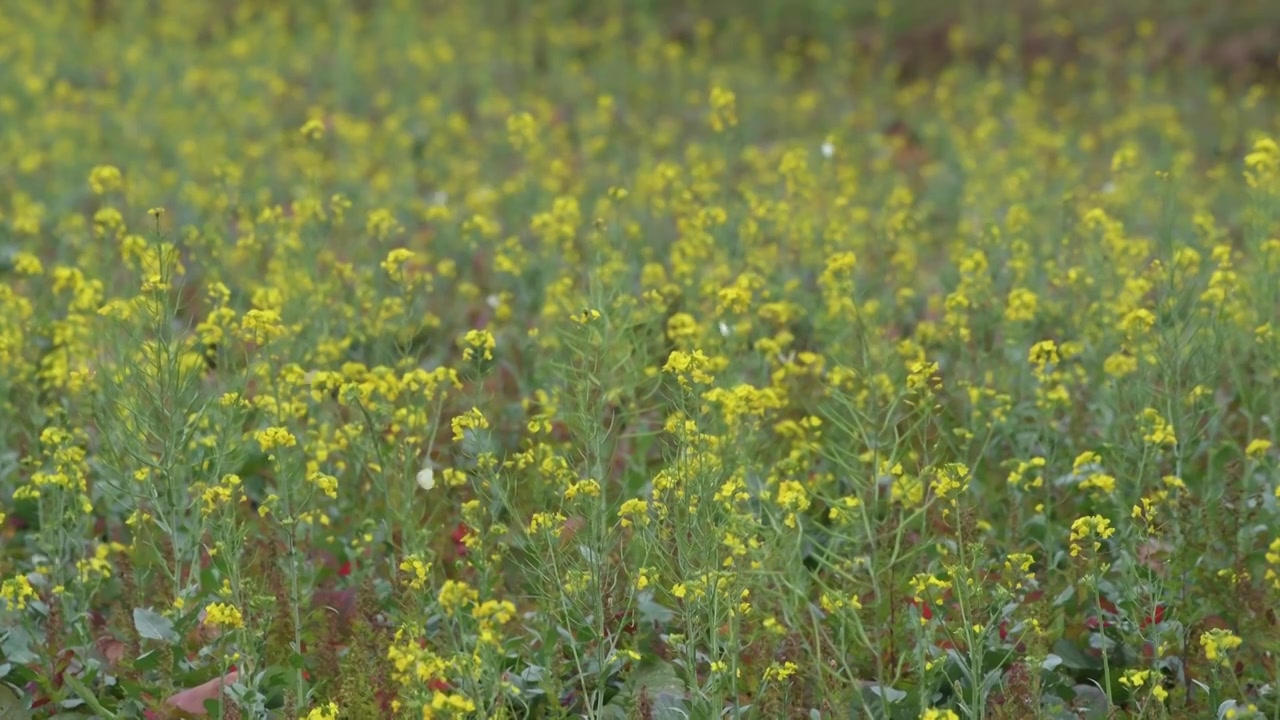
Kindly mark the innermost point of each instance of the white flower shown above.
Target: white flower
(426, 478)
(828, 149)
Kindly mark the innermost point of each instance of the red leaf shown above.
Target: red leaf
(925, 610)
(192, 700)
(458, 536)
(111, 649)
(1155, 617)
(342, 601)
(1093, 624)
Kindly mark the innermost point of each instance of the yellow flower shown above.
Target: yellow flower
(921, 375)
(1257, 448)
(105, 178)
(689, 366)
(842, 511)
(724, 109)
(585, 316)
(1217, 643)
(381, 224)
(522, 131)
(479, 343)
(1262, 164)
(1043, 354)
(951, 479)
(16, 591)
(473, 419)
(634, 510)
(1158, 431)
(544, 521)
(223, 615)
(325, 483)
(1137, 322)
(792, 497)
(928, 588)
(274, 437)
(260, 326)
(448, 703)
(644, 578)
(588, 487)
(1119, 365)
(1135, 678)
(328, 711)
(1103, 483)
(1094, 526)
(25, 263)
(395, 261)
(780, 672)
(312, 129)
(1021, 305)
(454, 594)
(906, 489)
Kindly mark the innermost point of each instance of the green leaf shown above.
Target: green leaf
(132, 690)
(148, 660)
(651, 610)
(1092, 700)
(1073, 657)
(153, 626)
(11, 704)
(613, 711)
(85, 696)
(16, 646)
(664, 688)
(20, 675)
(889, 694)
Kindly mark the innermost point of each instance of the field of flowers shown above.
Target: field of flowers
(559, 360)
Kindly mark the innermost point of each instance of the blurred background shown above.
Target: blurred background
(1237, 39)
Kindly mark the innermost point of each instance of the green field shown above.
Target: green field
(506, 359)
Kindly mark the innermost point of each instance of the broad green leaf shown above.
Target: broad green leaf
(153, 626)
(148, 660)
(11, 704)
(1073, 657)
(16, 646)
(663, 688)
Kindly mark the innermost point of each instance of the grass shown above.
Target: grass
(512, 360)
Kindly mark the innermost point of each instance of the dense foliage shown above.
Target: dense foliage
(517, 360)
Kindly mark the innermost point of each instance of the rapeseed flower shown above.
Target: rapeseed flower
(1218, 643)
(223, 615)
